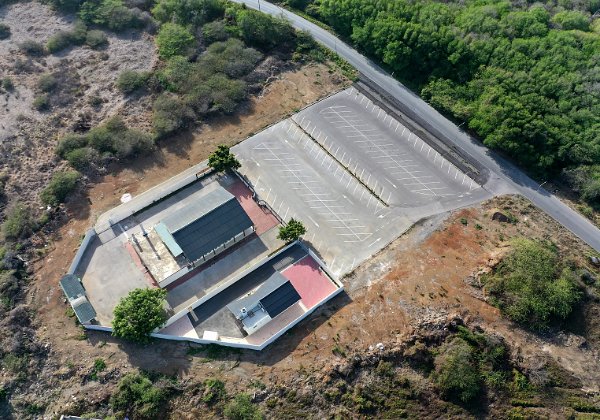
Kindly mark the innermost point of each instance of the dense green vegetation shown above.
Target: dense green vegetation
(532, 286)
(241, 408)
(523, 76)
(139, 313)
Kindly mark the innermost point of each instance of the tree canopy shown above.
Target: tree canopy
(291, 231)
(138, 314)
(523, 77)
(222, 159)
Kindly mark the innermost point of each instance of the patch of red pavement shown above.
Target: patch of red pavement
(309, 281)
(262, 220)
(137, 260)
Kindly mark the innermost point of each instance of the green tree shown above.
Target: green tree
(222, 159)
(174, 39)
(456, 372)
(139, 313)
(60, 186)
(291, 231)
(262, 30)
(241, 408)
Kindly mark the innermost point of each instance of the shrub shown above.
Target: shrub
(83, 158)
(41, 102)
(64, 5)
(226, 93)
(170, 114)
(64, 39)
(96, 39)
(185, 12)
(69, 143)
(456, 374)
(241, 408)
(8, 84)
(291, 231)
(222, 159)
(109, 13)
(18, 224)
(572, 19)
(46, 83)
(138, 314)
(214, 32)
(531, 287)
(231, 58)
(174, 39)
(138, 397)
(214, 391)
(33, 48)
(129, 81)
(60, 186)
(262, 30)
(4, 31)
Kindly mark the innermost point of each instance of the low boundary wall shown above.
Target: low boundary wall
(87, 239)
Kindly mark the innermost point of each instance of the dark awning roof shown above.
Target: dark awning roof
(207, 223)
(72, 287)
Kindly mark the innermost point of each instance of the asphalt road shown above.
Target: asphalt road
(504, 176)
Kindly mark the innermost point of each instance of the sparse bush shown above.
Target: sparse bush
(7, 84)
(531, 286)
(456, 374)
(137, 397)
(19, 223)
(129, 81)
(61, 185)
(46, 83)
(4, 31)
(64, 39)
(170, 114)
(96, 39)
(138, 314)
(41, 102)
(174, 39)
(69, 143)
(32, 48)
(241, 408)
(83, 158)
(291, 231)
(214, 391)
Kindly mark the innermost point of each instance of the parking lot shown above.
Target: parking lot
(345, 221)
(355, 176)
(385, 155)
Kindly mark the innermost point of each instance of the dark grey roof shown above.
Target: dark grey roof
(72, 287)
(208, 223)
(199, 208)
(83, 309)
(280, 299)
(272, 283)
